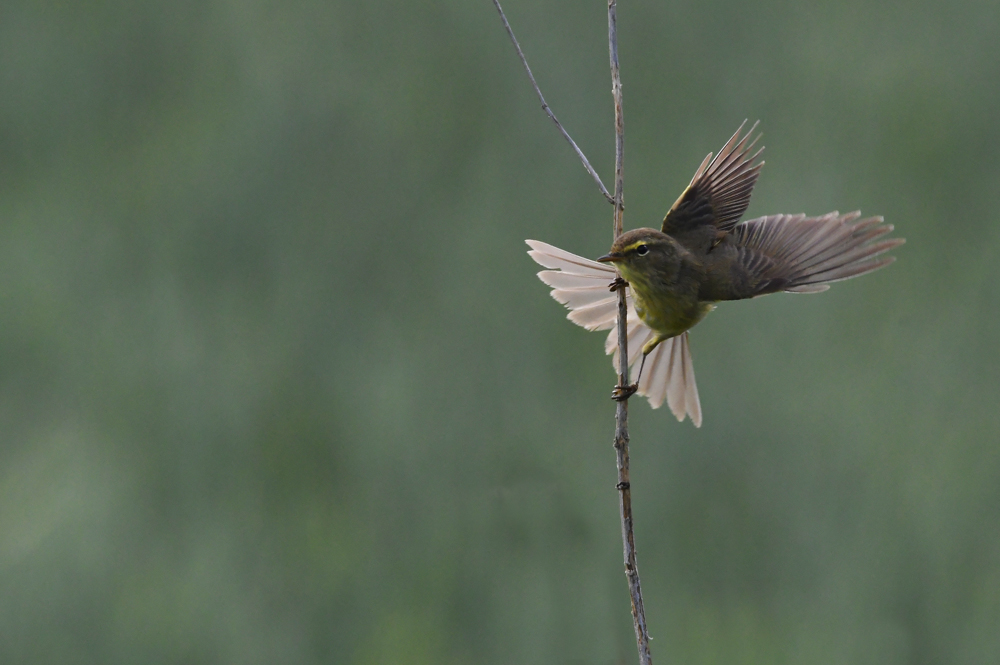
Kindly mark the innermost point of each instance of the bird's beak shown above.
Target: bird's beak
(609, 258)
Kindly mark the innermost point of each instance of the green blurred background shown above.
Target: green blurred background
(278, 383)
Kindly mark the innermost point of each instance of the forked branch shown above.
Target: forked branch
(621, 414)
(548, 111)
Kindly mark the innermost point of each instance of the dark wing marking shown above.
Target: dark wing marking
(803, 254)
(719, 192)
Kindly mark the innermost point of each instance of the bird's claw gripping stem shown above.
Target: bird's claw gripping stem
(622, 393)
(619, 283)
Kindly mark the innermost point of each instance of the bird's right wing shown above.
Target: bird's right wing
(802, 254)
(582, 286)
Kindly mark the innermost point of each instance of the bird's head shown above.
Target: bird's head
(641, 254)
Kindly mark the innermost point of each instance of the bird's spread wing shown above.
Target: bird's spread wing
(802, 254)
(582, 286)
(718, 195)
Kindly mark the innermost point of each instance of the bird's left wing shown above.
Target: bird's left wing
(718, 195)
(582, 286)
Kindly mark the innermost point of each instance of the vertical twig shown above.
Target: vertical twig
(621, 413)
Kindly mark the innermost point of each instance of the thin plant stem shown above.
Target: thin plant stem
(621, 413)
(548, 111)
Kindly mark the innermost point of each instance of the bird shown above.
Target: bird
(702, 255)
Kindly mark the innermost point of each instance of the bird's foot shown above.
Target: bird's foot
(622, 393)
(619, 283)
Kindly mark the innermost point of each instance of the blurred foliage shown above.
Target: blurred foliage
(278, 384)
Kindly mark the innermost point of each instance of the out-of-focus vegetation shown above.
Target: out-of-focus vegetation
(278, 383)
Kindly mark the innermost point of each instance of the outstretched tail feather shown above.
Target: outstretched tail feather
(599, 316)
(654, 380)
(669, 376)
(553, 257)
(582, 286)
(691, 402)
(578, 283)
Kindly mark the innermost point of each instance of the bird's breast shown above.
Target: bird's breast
(666, 311)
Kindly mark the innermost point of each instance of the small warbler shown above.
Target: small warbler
(702, 255)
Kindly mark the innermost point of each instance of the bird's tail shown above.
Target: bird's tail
(582, 286)
(668, 373)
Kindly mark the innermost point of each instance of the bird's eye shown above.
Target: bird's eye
(642, 250)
